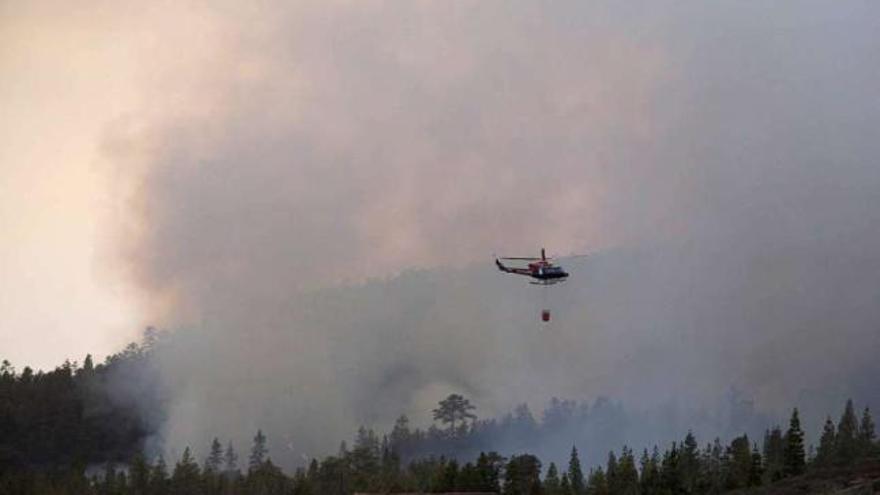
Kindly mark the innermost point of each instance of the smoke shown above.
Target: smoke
(317, 192)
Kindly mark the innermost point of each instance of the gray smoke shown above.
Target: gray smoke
(322, 216)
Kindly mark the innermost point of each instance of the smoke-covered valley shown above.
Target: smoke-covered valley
(314, 203)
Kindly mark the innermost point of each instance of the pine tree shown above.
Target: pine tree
(866, 434)
(489, 471)
(109, 485)
(793, 455)
(88, 365)
(739, 463)
(597, 483)
(452, 409)
(312, 472)
(139, 472)
(230, 460)
(400, 435)
(266, 479)
(523, 475)
(159, 477)
(712, 468)
(756, 473)
(121, 485)
(847, 430)
(215, 457)
(258, 452)
(552, 484)
(689, 463)
(627, 474)
(774, 448)
(390, 470)
(670, 471)
(301, 484)
(565, 485)
(185, 479)
(825, 454)
(575, 473)
(333, 478)
(611, 473)
(364, 460)
(649, 480)
(449, 477)
(468, 479)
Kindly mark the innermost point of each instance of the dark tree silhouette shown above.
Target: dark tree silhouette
(522, 476)
(576, 473)
(794, 455)
(825, 454)
(847, 430)
(452, 409)
(866, 434)
(258, 452)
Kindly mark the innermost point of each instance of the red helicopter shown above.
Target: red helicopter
(543, 270)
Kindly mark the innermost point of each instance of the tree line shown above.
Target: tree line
(373, 464)
(81, 428)
(79, 414)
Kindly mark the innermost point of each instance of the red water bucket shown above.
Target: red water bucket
(545, 315)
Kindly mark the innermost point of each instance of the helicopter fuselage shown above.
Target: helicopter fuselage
(543, 271)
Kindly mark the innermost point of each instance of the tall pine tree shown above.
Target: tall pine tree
(597, 483)
(866, 434)
(230, 461)
(258, 452)
(214, 461)
(565, 485)
(552, 483)
(611, 473)
(627, 474)
(159, 477)
(847, 430)
(649, 480)
(825, 454)
(739, 463)
(575, 473)
(689, 463)
(794, 454)
(186, 478)
(523, 475)
(756, 473)
(774, 448)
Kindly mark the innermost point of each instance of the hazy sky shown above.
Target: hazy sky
(513, 125)
(66, 77)
(73, 75)
(211, 164)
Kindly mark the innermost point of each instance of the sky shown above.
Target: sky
(64, 83)
(260, 175)
(74, 75)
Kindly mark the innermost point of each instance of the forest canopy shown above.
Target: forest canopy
(85, 428)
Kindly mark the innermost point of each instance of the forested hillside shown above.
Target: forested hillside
(84, 428)
(78, 414)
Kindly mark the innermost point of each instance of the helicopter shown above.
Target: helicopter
(542, 270)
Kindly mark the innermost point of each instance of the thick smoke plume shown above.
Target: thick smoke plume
(318, 198)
